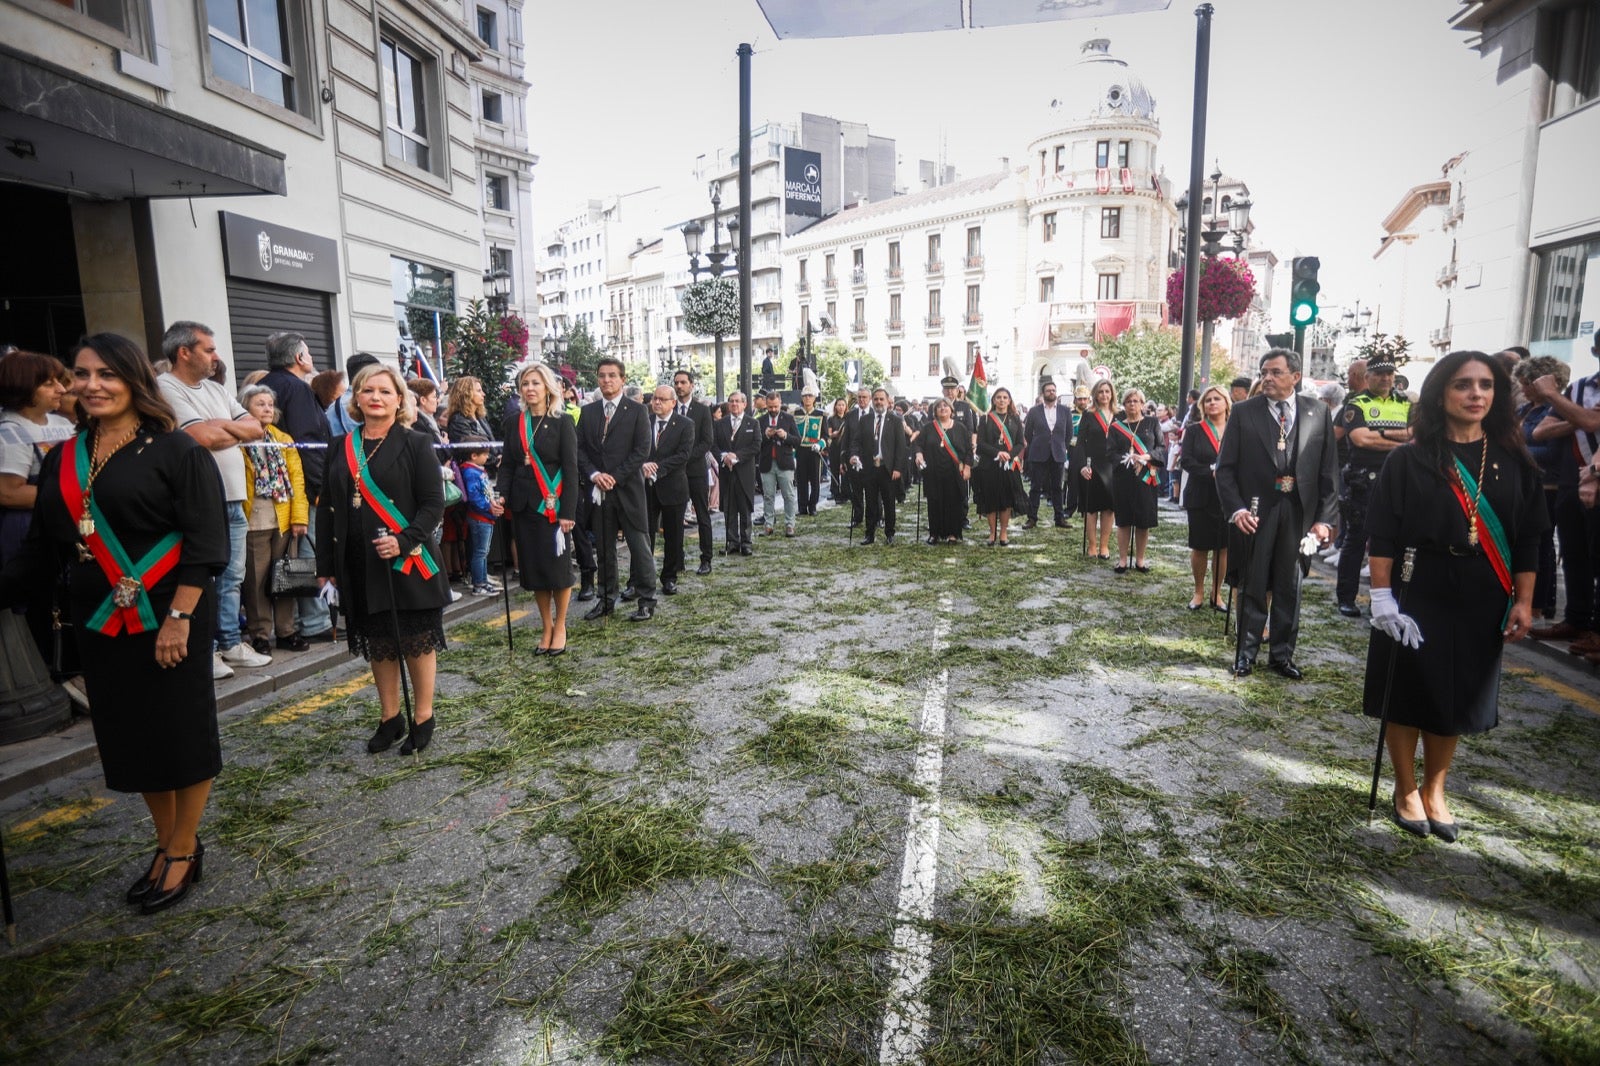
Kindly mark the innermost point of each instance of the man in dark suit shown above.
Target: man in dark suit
(613, 443)
(855, 483)
(666, 486)
(699, 415)
(1046, 435)
(738, 440)
(776, 464)
(1278, 478)
(878, 455)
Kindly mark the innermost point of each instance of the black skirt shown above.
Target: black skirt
(997, 488)
(1094, 492)
(373, 636)
(1451, 685)
(542, 567)
(1208, 528)
(1133, 501)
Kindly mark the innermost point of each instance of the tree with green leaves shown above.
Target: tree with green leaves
(583, 355)
(479, 350)
(831, 353)
(1149, 358)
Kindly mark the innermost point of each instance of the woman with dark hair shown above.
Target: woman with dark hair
(376, 526)
(1094, 495)
(833, 429)
(539, 482)
(1131, 448)
(997, 478)
(135, 512)
(30, 392)
(941, 449)
(1208, 527)
(1454, 521)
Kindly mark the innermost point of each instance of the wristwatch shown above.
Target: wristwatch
(182, 616)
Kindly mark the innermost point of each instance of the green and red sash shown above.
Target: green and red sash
(1146, 475)
(549, 488)
(421, 560)
(1098, 417)
(944, 440)
(1005, 436)
(1491, 534)
(1216, 441)
(111, 619)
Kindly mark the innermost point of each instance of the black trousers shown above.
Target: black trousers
(1353, 509)
(1044, 476)
(668, 517)
(700, 497)
(1272, 566)
(855, 482)
(607, 518)
(807, 480)
(880, 490)
(1575, 529)
(736, 520)
(1069, 491)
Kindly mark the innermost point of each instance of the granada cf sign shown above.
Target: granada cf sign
(802, 182)
(266, 251)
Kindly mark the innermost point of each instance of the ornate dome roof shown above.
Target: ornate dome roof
(1103, 87)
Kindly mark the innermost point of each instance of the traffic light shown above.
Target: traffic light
(1303, 293)
(1280, 340)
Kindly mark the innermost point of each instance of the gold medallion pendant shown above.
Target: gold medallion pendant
(86, 526)
(126, 591)
(355, 499)
(84, 554)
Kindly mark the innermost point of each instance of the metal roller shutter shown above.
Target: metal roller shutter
(259, 310)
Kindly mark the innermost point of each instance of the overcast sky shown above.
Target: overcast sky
(1330, 112)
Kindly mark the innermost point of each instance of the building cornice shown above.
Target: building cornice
(1417, 200)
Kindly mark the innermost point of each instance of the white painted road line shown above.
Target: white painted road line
(905, 1022)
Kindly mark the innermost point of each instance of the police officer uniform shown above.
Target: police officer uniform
(1364, 410)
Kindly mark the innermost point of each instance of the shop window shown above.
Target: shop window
(424, 307)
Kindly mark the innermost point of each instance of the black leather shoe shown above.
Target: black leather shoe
(705, 568)
(644, 612)
(157, 899)
(745, 549)
(1349, 610)
(293, 642)
(869, 540)
(143, 887)
(327, 636)
(587, 592)
(1030, 523)
(1416, 827)
(1286, 668)
(669, 588)
(932, 539)
(421, 734)
(1243, 666)
(629, 594)
(599, 610)
(1445, 831)
(388, 732)
(888, 538)
(1062, 523)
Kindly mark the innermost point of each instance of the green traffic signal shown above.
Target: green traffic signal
(1303, 294)
(1303, 313)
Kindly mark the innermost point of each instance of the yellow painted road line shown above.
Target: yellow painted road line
(500, 619)
(301, 708)
(66, 815)
(1567, 692)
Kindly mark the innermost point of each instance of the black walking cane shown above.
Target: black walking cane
(1244, 576)
(405, 684)
(1406, 565)
(5, 899)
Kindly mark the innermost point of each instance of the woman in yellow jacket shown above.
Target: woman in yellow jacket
(278, 509)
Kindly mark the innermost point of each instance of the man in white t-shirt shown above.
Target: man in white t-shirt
(212, 415)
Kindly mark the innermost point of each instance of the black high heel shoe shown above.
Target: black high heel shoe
(1417, 827)
(158, 899)
(389, 731)
(421, 734)
(1445, 831)
(141, 888)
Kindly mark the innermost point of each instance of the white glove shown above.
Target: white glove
(1386, 616)
(1310, 545)
(1129, 459)
(921, 462)
(329, 594)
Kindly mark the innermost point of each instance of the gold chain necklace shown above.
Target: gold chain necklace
(1477, 496)
(97, 463)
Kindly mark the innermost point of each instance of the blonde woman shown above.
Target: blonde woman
(1208, 527)
(1094, 433)
(276, 512)
(376, 541)
(540, 483)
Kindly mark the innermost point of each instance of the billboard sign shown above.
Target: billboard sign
(802, 182)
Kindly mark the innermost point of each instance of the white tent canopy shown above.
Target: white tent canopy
(865, 18)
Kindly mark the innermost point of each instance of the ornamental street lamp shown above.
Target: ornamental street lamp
(497, 291)
(1233, 223)
(718, 260)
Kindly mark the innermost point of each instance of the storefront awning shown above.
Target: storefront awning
(853, 18)
(62, 131)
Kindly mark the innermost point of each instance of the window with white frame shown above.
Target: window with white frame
(1110, 286)
(493, 108)
(259, 46)
(488, 28)
(933, 359)
(410, 97)
(496, 192)
(1049, 221)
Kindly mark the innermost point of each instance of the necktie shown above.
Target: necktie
(611, 409)
(1283, 434)
(877, 433)
(661, 423)
(683, 409)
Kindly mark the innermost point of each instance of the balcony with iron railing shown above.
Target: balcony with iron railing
(858, 328)
(933, 323)
(802, 287)
(933, 267)
(972, 319)
(974, 262)
(830, 283)
(858, 276)
(893, 273)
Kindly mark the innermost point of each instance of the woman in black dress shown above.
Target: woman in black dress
(1208, 529)
(941, 449)
(997, 478)
(1131, 446)
(134, 511)
(377, 541)
(833, 429)
(1463, 505)
(539, 481)
(1094, 431)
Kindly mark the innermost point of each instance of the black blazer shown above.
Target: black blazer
(618, 452)
(556, 440)
(673, 453)
(1248, 467)
(774, 450)
(699, 417)
(410, 476)
(745, 447)
(896, 446)
(1036, 429)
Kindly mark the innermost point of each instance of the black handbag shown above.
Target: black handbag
(292, 576)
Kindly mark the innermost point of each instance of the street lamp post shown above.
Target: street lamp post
(497, 291)
(716, 263)
(1215, 227)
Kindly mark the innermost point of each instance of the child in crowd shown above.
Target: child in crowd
(482, 507)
